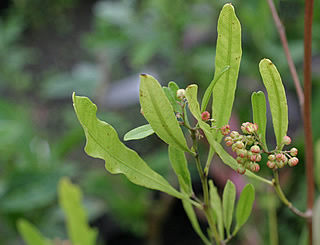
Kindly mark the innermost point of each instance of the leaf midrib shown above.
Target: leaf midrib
(119, 160)
(162, 120)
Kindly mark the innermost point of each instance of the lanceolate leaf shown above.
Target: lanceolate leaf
(30, 234)
(139, 133)
(277, 98)
(159, 113)
(209, 90)
(70, 198)
(215, 202)
(228, 53)
(180, 166)
(259, 109)
(244, 206)
(194, 221)
(228, 199)
(191, 95)
(103, 143)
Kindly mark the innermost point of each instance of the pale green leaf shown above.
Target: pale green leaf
(194, 221)
(180, 166)
(259, 109)
(70, 199)
(228, 201)
(191, 95)
(228, 54)
(139, 133)
(171, 93)
(244, 206)
(159, 113)
(215, 202)
(103, 143)
(209, 90)
(277, 98)
(30, 234)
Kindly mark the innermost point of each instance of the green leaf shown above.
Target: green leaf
(139, 133)
(171, 93)
(259, 109)
(180, 166)
(103, 143)
(277, 98)
(209, 90)
(317, 164)
(159, 113)
(228, 201)
(228, 54)
(215, 202)
(194, 221)
(70, 198)
(244, 206)
(30, 234)
(191, 95)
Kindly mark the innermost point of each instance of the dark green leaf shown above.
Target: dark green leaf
(277, 98)
(103, 143)
(139, 133)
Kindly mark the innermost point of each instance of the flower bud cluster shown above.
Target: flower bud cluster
(246, 147)
(249, 153)
(282, 158)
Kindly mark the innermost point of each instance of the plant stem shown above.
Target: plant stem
(308, 15)
(284, 199)
(204, 181)
(284, 41)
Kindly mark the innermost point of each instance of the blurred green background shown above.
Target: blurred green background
(48, 49)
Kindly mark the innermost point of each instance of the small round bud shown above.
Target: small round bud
(249, 139)
(255, 127)
(244, 127)
(181, 94)
(258, 158)
(205, 116)
(228, 138)
(255, 149)
(279, 157)
(280, 164)
(225, 130)
(229, 143)
(284, 159)
(293, 161)
(241, 170)
(234, 148)
(286, 140)
(242, 153)
(271, 164)
(272, 158)
(294, 152)
(240, 160)
(234, 134)
(239, 145)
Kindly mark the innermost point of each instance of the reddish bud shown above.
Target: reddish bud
(234, 134)
(272, 157)
(241, 170)
(239, 145)
(286, 140)
(225, 130)
(271, 164)
(229, 143)
(294, 152)
(293, 161)
(205, 116)
(280, 164)
(255, 149)
(279, 157)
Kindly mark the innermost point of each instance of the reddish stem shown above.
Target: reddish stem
(307, 109)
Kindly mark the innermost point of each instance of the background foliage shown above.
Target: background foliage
(48, 49)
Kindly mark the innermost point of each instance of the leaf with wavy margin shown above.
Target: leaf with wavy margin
(103, 142)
